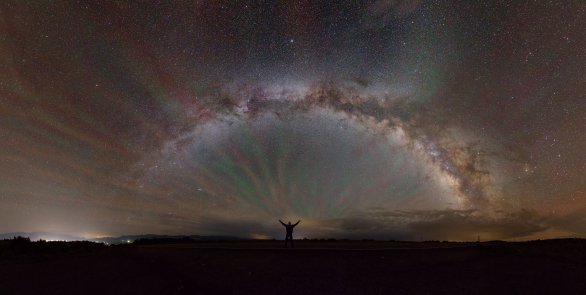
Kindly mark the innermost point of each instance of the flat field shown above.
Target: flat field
(313, 267)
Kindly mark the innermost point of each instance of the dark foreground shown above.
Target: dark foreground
(326, 267)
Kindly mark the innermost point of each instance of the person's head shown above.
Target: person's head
(289, 222)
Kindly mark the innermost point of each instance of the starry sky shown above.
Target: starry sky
(386, 119)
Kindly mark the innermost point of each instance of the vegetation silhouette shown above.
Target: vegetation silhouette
(289, 229)
(23, 246)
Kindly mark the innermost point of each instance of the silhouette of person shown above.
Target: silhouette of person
(289, 227)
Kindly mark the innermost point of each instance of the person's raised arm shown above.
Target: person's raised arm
(281, 222)
(297, 222)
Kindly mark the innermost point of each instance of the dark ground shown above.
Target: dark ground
(314, 267)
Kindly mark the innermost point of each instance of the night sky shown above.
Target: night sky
(387, 119)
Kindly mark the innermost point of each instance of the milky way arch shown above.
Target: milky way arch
(451, 156)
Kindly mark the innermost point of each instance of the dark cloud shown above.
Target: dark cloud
(574, 222)
(436, 225)
(381, 13)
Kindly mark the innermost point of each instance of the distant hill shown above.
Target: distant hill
(131, 238)
(35, 236)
